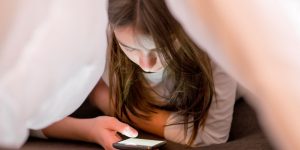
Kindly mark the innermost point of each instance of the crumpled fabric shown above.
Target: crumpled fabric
(52, 53)
(258, 43)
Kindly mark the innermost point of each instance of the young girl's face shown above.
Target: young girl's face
(139, 48)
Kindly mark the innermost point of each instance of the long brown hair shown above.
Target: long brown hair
(187, 66)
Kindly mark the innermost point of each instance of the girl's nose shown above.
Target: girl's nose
(148, 61)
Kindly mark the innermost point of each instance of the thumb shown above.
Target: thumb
(124, 129)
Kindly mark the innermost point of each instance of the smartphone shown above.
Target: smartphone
(138, 144)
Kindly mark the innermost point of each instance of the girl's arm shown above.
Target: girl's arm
(71, 128)
(101, 130)
(156, 123)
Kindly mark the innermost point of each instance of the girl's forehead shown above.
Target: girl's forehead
(133, 39)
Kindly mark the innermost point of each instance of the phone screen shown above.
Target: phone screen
(135, 143)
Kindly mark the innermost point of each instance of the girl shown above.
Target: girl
(156, 79)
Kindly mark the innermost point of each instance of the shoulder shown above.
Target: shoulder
(225, 86)
(222, 78)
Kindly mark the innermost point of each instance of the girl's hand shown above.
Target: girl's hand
(105, 128)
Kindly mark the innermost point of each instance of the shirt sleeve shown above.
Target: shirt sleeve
(38, 134)
(105, 74)
(218, 122)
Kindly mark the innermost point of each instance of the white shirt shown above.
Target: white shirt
(218, 123)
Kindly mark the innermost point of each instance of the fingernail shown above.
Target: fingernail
(129, 132)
